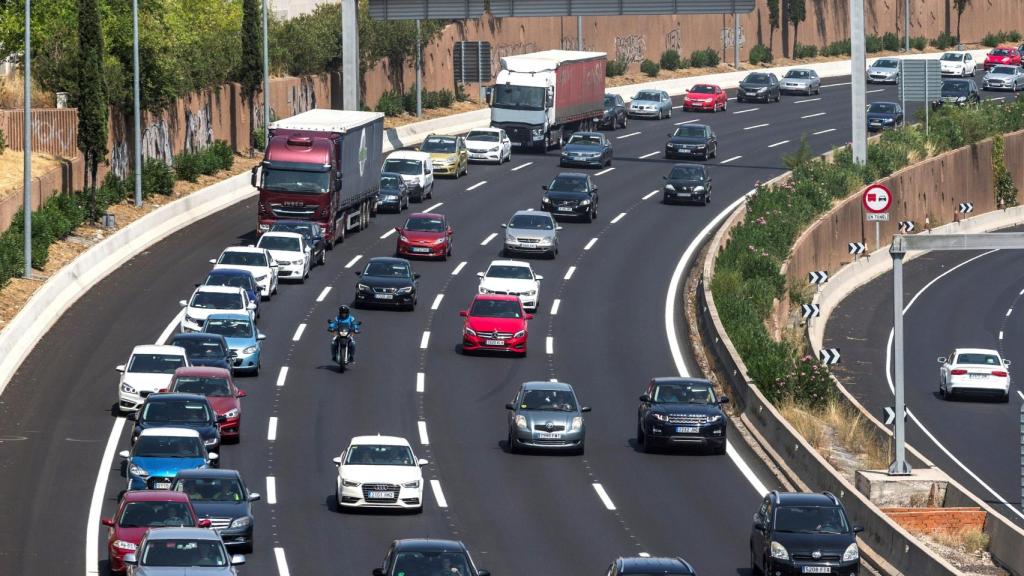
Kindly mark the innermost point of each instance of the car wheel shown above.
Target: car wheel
(582, 449)
(640, 440)
(714, 151)
(510, 443)
(670, 112)
(707, 199)
(323, 257)
(256, 372)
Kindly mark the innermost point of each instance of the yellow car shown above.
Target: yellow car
(448, 154)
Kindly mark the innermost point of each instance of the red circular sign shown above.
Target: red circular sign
(877, 199)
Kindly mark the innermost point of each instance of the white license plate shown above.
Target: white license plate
(687, 429)
(384, 296)
(161, 485)
(564, 209)
(683, 194)
(380, 495)
(418, 249)
(549, 435)
(978, 376)
(816, 570)
(494, 342)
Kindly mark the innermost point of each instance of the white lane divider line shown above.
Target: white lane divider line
(630, 135)
(553, 380)
(529, 209)
(778, 144)
(745, 111)
(298, 332)
(815, 115)
(605, 171)
(998, 98)
(687, 122)
(678, 107)
(617, 218)
(282, 375)
(590, 244)
(603, 496)
(834, 85)
(569, 273)
(272, 429)
(323, 294)
(875, 90)
(424, 340)
(1000, 334)
(549, 345)
(435, 487)
(554, 306)
(173, 326)
(353, 261)
(644, 554)
(386, 234)
(421, 382)
(459, 268)
(1008, 312)
(820, 132)
(490, 237)
(521, 166)
(649, 194)
(434, 207)
(96, 504)
(648, 155)
(271, 490)
(282, 564)
(422, 426)
(437, 302)
(1021, 293)
(727, 160)
(1021, 394)
(756, 126)
(477, 185)
(807, 100)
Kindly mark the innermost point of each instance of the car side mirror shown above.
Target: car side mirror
(241, 394)
(558, 227)
(942, 360)
(669, 135)
(254, 496)
(130, 559)
(463, 313)
(585, 409)
(233, 354)
(416, 275)
(483, 573)
(237, 560)
(544, 187)
(119, 368)
(204, 523)
(261, 336)
(379, 572)
(529, 316)
(451, 232)
(857, 529)
(504, 225)
(124, 454)
(723, 399)
(359, 272)
(213, 260)
(252, 179)
(222, 418)
(251, 306)
(510, 406)
(759, 526)
(107, 522)
(422, 462)
(479, 274)
(336, 460)
(1007, 362)
(594, 189)
(645, 398)
(213, 456)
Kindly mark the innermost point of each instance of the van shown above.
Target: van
(416, 169)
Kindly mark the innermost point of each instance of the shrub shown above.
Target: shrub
(890, 42)
(222, 151)
(918, 42)
(3, 142)
(1013, 36)
(873, 43)
(705, 58)
(1005, 189)
(992, 40)
(760, 53)
(944, 40)
(259, 139)
(157, 177)
(670, 60)
(837, 48)
(616, 67)
(650, 68)
(804, 51)
(188, 166)
(445, 98)
(460, 93)
(12, 256)
(392, 103)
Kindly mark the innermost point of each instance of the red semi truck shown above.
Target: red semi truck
(321, 165)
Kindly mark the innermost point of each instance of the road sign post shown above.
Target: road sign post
(899, 466)
(877, 199)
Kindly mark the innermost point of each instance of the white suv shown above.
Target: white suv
(416, 168)
(149, 369)
(379, 472)
(514, 278)
(976, 370)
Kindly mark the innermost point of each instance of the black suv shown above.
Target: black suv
(387, 281)
(424, 556)
(958, 93)
(180, 410)
(688, 183)
(571, 194)
(681, 411)
(647, 566)
(801, 533)
(759, 86)
(221, 496)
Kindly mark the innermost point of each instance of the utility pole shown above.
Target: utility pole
(579, 33)
(137, 107)
(857, 86)
(350, 54)
(419, 70)
(266, 78)
(735, 36)
(27, 145)
(906, 28)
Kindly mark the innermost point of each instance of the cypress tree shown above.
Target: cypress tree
(251, 74)
(92, 94)
(797, 14)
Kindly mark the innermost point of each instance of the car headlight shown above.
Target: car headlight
(494, 148)
(450, 159)
(538, 131)
(521, 422)
(483, 290)
(577, 423)
(127, 389)
(669, 187)
(403, 238)
(714, 418)
(519, 334)
(584, 202)
(439, 240)
(136, 470)
(243, 522)
(233, 413)
(261, 278)
(544, 241)
(545, 200)
(349, 483)
(762, 90)
(363, 287)
(852, 553)
(659, 417)
(192, 320)
(210, 442)
(413, 484)
(250, 350)
(698, 188)
(530, 293)
(124, 545)
(887, 120)
(404, 290)
(961, 99)
(779, 551)
(470, 331)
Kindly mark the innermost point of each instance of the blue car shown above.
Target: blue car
(158, 455)
(240, 278)
(242, 337)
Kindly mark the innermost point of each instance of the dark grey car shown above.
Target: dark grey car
(531, 232)
(688, 183)
(221, 496)
(614, 115)
(759, 87)
(546, 416)
(697, 140)
(586, 149)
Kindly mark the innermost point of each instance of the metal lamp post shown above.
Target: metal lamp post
(27, 135)
(266, 78)
(136, 104)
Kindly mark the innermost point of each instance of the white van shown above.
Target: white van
(416, 169)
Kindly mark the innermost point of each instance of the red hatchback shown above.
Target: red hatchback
(141, 510)
(425, 234)
(705, 97)
(1003, 55)
(218, 387)
(495, 322)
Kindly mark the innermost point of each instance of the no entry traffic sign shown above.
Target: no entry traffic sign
(877, 199)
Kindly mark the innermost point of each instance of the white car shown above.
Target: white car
(257, 261)
(974, 370)
(514, 278)
(290, 251)
(208, 300)
(489, 145)
(957, 64)
(379, 472)
(149, 370)
(416, 169)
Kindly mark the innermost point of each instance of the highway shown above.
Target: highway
(526, 514)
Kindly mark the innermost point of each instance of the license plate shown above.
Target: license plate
(380, 495)
(687, 429)
(418, 249)
(683, 194)
(384, 296)
(161, 485)
(564, 209)
(978, 376)
(549, 435)
(816, 570)
(751, 93)
(494, 342)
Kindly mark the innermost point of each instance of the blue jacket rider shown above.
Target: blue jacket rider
(344, 319)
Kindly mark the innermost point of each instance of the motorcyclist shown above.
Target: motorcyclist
(344, 319)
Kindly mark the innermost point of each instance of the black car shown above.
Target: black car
(646, 566)
(692, 140)
(759, 87)
(586, 149)
(221, 496)
(681, 411)
(393, 193)
(387, 281)
(571, 194)
(958, 92)
(800, 533)
(313, 234)
(614, 112)
(205, 349)
(882, 115)
(426, 556)
(688, 183)
(179, 410)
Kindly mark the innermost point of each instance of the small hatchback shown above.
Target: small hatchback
(531, 232)
(546, 416)
(421, 556)
(140, 510)
(801, 533)
(495, 323)
(425, 235)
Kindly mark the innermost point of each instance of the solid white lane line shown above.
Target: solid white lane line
(553, 380)
(272, 429)
(421, 382)
(569, 273)
(521, 166)
(424, 340)
(96, 504)
(386, 234)
(655, 153)
(171, 328)
(617, 218)
(807, 100)
(1021, 293)
(490, 237)
(271, 490)
(422, 426)
(605, 171)
(603, 496)
(778, 144)
(687, 122)
(745, 111)
(834, 85)
(434, 207)
(435, 487)
(631, 134)
(549, 345)
(1008, 312)
(353, 261)
(820, 132)
(554, 306)
(282, 564)
(437, 302)
(477, 185)
(325, 292)
(590, 244)
(644, 554)
(1000, 334)
(875, 90)
(529, 209)
(282, 375)
(727, 160)
(649, 194)
(459, 268)
(298, 332)
(813, 115)
(756, 126)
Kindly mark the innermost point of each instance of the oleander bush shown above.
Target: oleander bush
(616, 67)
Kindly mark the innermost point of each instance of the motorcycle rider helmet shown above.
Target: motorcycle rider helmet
(343, 311)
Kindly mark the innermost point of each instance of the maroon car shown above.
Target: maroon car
(425, 234)
(141, 510)
(218, 387)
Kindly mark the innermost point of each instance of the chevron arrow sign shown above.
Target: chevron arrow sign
(856, 248)
(830, 356)
(966, 207)
(817, 277)
(810, 310)
(906, 226)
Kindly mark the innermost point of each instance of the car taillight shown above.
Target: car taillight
(958, 372)
(1000, 373)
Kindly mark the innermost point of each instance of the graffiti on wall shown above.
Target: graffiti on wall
(673, 40)
(198, 129)
(572, 43)
(156, 143)
(727, 37)
(302, 97)
(631, 48)
(512, 49)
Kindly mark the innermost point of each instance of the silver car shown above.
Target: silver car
(1004, 77)
(884, 70)
(650, 104)
(180, 551)
(801, 80)
(548, 416)
(530, 232)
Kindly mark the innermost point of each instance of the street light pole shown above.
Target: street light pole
(27, 146)
(735, 36)
(419, 71)
(350, 76)
(857, 84)
(136, 98)
(906, 26)
(266, 78)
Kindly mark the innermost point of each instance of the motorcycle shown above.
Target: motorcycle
(340, 344)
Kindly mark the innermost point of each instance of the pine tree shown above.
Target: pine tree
(251, 74)
(961, 7)
(92, 94)
(773, 22)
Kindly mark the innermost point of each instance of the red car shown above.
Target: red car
(425, 234)
(495, 322)
(218, 387)
(705, 97)
(141, 510)
(1003, 55)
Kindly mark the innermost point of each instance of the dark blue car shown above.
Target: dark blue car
(883, 115)
(204, 349)
(180, 410)
(240, 278)
(586, 149)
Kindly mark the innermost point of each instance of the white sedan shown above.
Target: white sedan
(256, 261)
(289, 249)
(957, 64)
(489, 145)
(379, 472)
(208, 300)
(974, 370)
(514, 278)
(149, 369)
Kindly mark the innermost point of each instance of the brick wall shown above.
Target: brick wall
(948, 520)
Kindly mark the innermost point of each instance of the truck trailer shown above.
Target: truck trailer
(321, 165)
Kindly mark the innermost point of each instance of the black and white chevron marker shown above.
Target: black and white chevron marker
(810, 310)
(817, 277)
(830, 356)
(966, 207)
(906, 226)
(856, 248)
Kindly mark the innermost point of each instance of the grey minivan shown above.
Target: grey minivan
(530, 232)
(547, 416)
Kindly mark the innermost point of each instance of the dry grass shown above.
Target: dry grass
(431, 113)
(969, 540)
(12, 169)
(12, 93)
(839, 433)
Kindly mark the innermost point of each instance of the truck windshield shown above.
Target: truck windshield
(300, 181)
(519, 97)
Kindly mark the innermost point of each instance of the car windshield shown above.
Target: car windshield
(703, 89)
(531, 222)
(951, 57)
(235, 280)
(282, 243)
(155, 363)
(887, 64)
(388, 269)
(568, 184)
(975, 358)
(299, 181)
(955, 88)
(233, 258)
(882, 108)
(379, 455)
(211, 489)
(506, 271)
(196, 348)
(482, 136)
(168, 447)
(403, 166)
(425, 224)
(756, 79)
(1000, 52)
(585, 139)
(177, 411)
(431, 564)
(184, 552)
(307, 229)
(690, 131)
(1004, 70)
(686, 173)
(155, 515)
(683, 393)
(228, 328)
(798, 74)
(203, 385)
(217, 301)
(438, 145)
(518, 97)
(390, 181)
(648, 96)
(497, 309)
(548, 400)
(810, 519)
(609, 101)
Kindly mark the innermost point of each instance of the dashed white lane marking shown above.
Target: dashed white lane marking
(617, 218)
(271, 490)
(603, 496)
(686, 122)
(875, 90)
(756, 126)
(630, 135)
(590, 244)
(649, 194)
(325, 292)
(1008, 312)
(727, 160)
(1021, 394)
(549, 345)
(1000, 334)
(437, 302)
(745, 111)
(807, 100)
(820, 132)
(272, 429)
(477, 185)
(998, 98)
(834, 85)
(424, 340)
(778, 144)
(490, 237)
(569, 273)
(554, 306)
(553, 380)
(521, 166)
(298, 332)
(282, 564)
(815, 115)
(644, 555)
(1021, 293)
(421, 382)
(435, 487)
(678, 107)
(386, 234)
(353, 261)
(605, 171)
(434, 207)
(422, 426)
(282, 375)
(459, 268)
(649, 154)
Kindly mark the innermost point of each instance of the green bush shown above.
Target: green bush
(616, 67)
(890, 42)
(804, 51)
(944, 40)
(670, 60)
(460, 93)
(392, 103)
(188, 166)
(445, 98)
(995, 39)
(3, 142)
(650, 68)
(224, 154)
(918, 42)
(1013, 36)
(157, 177)
(837, 48)
(873, 43)
(705, 58)
(259, 139)
(760, 53)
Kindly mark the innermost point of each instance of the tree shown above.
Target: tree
(797, 14)
(91, 97)
(250, 74)
(961, 7)
(773, 21)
